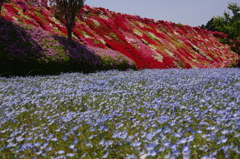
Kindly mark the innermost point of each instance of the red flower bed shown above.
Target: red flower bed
(151, 44)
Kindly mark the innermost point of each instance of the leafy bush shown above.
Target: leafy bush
(229, 24)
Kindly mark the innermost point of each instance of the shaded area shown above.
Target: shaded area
(25, 50)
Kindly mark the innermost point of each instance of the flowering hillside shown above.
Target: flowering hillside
(149, 43)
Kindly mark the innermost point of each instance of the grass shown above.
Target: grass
(158, 114)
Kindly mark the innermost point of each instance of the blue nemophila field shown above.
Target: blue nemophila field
(170, 113)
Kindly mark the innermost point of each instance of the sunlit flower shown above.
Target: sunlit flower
(60, 152)
(105, 155)
(113, 102)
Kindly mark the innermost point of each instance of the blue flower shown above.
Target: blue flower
(136, 144)
(44, 145)
(75, 141)
(36, 144)
(166, 143)
(108, 143)
(178, 135)
(60, 152)
(186, 148)
(64, 138)
(150, 147)
(123, 135)
(131, 156)
(105, 155)
(152, 153)
(83, 155)
(150, 136)
(70, 154)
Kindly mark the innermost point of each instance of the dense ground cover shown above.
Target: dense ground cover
(155, 113)
(26, 50)
(149, 43)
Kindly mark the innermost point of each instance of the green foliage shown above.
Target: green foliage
(114, 36)
(179, 25)
(230, 25)
(209, 26)
(227, 23)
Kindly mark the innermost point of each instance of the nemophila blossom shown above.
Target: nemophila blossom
(70, 155)
(148, 113)
(105, 155)
(83, 155)
(60, 152)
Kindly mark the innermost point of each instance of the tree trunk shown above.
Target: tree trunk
(1, 8)
(1, 17)
(69, 30)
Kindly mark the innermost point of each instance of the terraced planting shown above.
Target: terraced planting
(149, 43)
(172, 113)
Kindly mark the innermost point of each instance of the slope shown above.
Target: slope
(149, 43)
